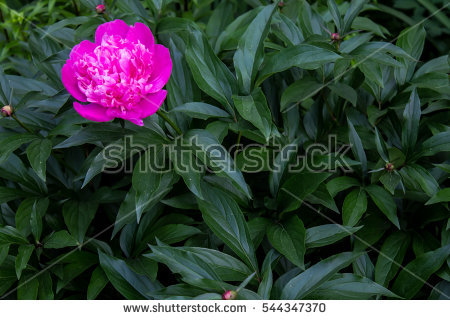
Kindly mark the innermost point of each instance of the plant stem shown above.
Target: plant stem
(22, 124)
(238, 143)
(161, 113)
(75, 7)
(329, 108)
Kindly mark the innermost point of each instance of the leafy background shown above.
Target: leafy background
(248, 71)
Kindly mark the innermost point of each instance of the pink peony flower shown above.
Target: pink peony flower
(122, 74)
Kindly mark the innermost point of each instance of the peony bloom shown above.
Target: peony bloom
(122, 74)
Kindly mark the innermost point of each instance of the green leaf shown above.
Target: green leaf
(350, 286)
(391, 257)
(173, 233)
(410, 126)
(212, 153)
(416, 273)
(210, 74)
(327, 234)
(98, 281)
(305, 56)
(151, 180)
(297, 187)
(130, 284)
(105, 132)
(339, 184)
(265, 287)
(23, 256)
(355, 204)
(78, 216)
(381, 146)
(222, 214)
(201, 110)
(298, 92)
(45, 287)
(441, 196)
(437, 143)
(254, 109)
(350, 15)
(335, 15)
(9, 142)
(384, 202)
(4, 249)
(38, 211)
(38, 152)
(344, 91)
(28, 288)
(357, 147)
(422, 177)
(29, 215)
(60, 239)
(250, 51)
(390, 180)
(9, 194)
(10, 235)
(412, 41)
(182, 261)
(226, 267)
(309, 280)
(289, 239)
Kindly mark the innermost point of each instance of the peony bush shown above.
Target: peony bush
(221, 149)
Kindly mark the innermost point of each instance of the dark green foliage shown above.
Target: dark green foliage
(293, 213)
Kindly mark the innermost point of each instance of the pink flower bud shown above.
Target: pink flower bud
(229, 295)
(335, 37)
(7, 111)
(389, 167)
(281, 4)
(100, 8)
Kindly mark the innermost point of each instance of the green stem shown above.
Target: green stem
(238, 143)
(22, 124)
(75, 8)
(161, 113)
(329, 108)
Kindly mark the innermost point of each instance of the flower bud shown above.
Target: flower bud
(335, 37)
(7, 111)
(229, 295)
(100, 8)
(281, 4)
(389, 167)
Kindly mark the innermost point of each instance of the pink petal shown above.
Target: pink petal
(151, 103)
(70, 82)
(80, 49)
(162, 68)
(130, 115)
(116, 27)
(140, 32)
(93, 112)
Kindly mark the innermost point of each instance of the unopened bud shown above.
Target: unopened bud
(335, 37)
(229, 295)
(389, 167)
(281, 4)
(100, 8)
(7, 111)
